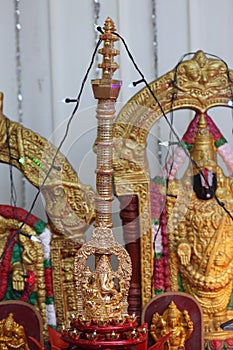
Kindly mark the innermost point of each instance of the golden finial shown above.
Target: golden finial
(203, 151)
(108, 51)
(172, 310)
(107, 88)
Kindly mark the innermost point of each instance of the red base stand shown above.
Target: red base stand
(126, 336)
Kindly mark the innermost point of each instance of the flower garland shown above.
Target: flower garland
(5, 264)
(12, 254)
(161, 279)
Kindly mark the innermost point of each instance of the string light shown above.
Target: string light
(169, 143)
(135, 83)
(31, 237)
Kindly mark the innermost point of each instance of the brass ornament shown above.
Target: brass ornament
(97, 295)
(177, 323)
(12, 334)
(102, 318)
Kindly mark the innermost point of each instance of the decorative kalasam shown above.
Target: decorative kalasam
(12, 334)
(175, 322)
(198, 84)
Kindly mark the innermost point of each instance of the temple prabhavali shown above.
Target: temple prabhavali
(169, 286)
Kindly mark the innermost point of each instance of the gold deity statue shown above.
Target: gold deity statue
(200, 231)
(12, 335)
(174, 322)
(102, 298)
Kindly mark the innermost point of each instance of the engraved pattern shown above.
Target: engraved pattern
(64, 195)
(198, 84)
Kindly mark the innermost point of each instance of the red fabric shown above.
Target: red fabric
(192, 128)
(189, 135)
(159, 345)
(41, 347)
(55, 340)
(216, 133)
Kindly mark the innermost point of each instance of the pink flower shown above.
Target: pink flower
(229, 343)
(215, 344)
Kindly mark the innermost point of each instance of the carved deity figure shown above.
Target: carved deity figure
(175, 322)
(200, 230)
(12, 335)
(101, 297)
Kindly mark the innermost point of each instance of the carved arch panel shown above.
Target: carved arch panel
(199, 84)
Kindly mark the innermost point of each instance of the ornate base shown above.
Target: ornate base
(109, 336)
(212, 326)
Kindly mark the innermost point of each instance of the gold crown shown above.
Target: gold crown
(204, 151)
(173, 311)
(103, 265)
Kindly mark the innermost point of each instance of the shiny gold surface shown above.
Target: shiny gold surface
(198, 83)
(63, 252)
(69, 206)
(203, 151)
(200, 239)
(32, 260)
(102, 292)
(204, 230)
(175, 321)
(12, 334)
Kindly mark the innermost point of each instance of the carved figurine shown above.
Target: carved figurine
(12, 335)
(175, 322)
(100, 293)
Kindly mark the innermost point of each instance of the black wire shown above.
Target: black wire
(180, 143)
(57, 150)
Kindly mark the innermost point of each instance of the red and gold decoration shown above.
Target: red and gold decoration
(173, 322)
(25, 268)
(102, 319)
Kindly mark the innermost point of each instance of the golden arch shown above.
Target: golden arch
(197, 84)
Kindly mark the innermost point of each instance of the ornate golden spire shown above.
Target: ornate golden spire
(106, 88)
(102, 243)
(108, 51)
(203, 151)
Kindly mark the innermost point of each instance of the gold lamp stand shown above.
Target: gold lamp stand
(102, 320)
